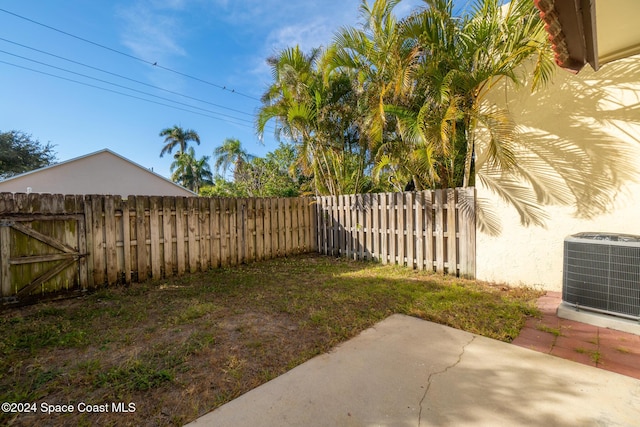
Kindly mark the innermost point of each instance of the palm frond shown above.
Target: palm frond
(516, 194)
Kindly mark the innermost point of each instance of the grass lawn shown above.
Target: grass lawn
(180, 347)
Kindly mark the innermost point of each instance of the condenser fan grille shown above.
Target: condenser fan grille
(602, 272)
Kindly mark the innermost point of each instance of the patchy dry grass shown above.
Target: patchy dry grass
(181, 347)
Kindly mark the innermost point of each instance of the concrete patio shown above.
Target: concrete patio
(409, 372)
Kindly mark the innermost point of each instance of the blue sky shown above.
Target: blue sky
(224, 43)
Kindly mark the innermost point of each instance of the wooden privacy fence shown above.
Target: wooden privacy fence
(57, 243)
(429, 229)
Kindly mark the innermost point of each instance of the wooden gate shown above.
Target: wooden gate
(41, 254)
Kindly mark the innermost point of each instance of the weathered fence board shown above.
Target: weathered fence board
(452, 215)
(410, 235)
(439, 230)
(5, 254)
(384, 229)
(420, 229)
(430, 229)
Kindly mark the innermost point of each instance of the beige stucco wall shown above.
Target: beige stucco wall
(102, 173)
(591, 105)
(617, 29)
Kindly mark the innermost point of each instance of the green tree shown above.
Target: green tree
(318, 114)
(462, 60)
(230, 153)
(380, 63)
(21, 153)
(432, 83)
(220, 187)
(408, 103)
(177, 137)
(275, 175)
(284, 178)
(190, 172)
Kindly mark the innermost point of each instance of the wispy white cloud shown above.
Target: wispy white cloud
(307, 35)
(151, 32)
(308, 24)
(170, 4)
(239, 32)
(277, 18)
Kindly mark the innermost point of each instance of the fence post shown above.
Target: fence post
(250, 230)
(193, 250)
(203, 226)
(88, 227)
(167, 236)
(259, 209)
(400, 228)
(270, 228)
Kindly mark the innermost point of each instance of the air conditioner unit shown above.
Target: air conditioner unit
(602, 273)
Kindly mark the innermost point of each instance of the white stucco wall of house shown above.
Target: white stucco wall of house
(533, 256)
(100, 173)
(603, 104)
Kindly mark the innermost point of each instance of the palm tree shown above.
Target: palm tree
(459, 61)
(318, 114)
(190, 172)
(422, 86)
(380, 62)
(289, 99)
(177, 137)
(462, 59)
(231, 153)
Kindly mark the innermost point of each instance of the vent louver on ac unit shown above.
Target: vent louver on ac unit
(602, 273)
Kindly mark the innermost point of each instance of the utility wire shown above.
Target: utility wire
(123, 77)
(124, 87)
(155, 64)
(122, 93)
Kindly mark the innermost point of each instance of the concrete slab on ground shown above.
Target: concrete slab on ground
(568, 311)
(408, 372)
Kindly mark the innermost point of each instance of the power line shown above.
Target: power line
(123, 94)
(123, 77)
(155, 64)
(123, 87)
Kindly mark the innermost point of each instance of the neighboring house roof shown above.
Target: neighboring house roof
(590, 31)
(102, 172)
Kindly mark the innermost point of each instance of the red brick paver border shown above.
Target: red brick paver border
(604, 348)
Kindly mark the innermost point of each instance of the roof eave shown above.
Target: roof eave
(571, 26)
